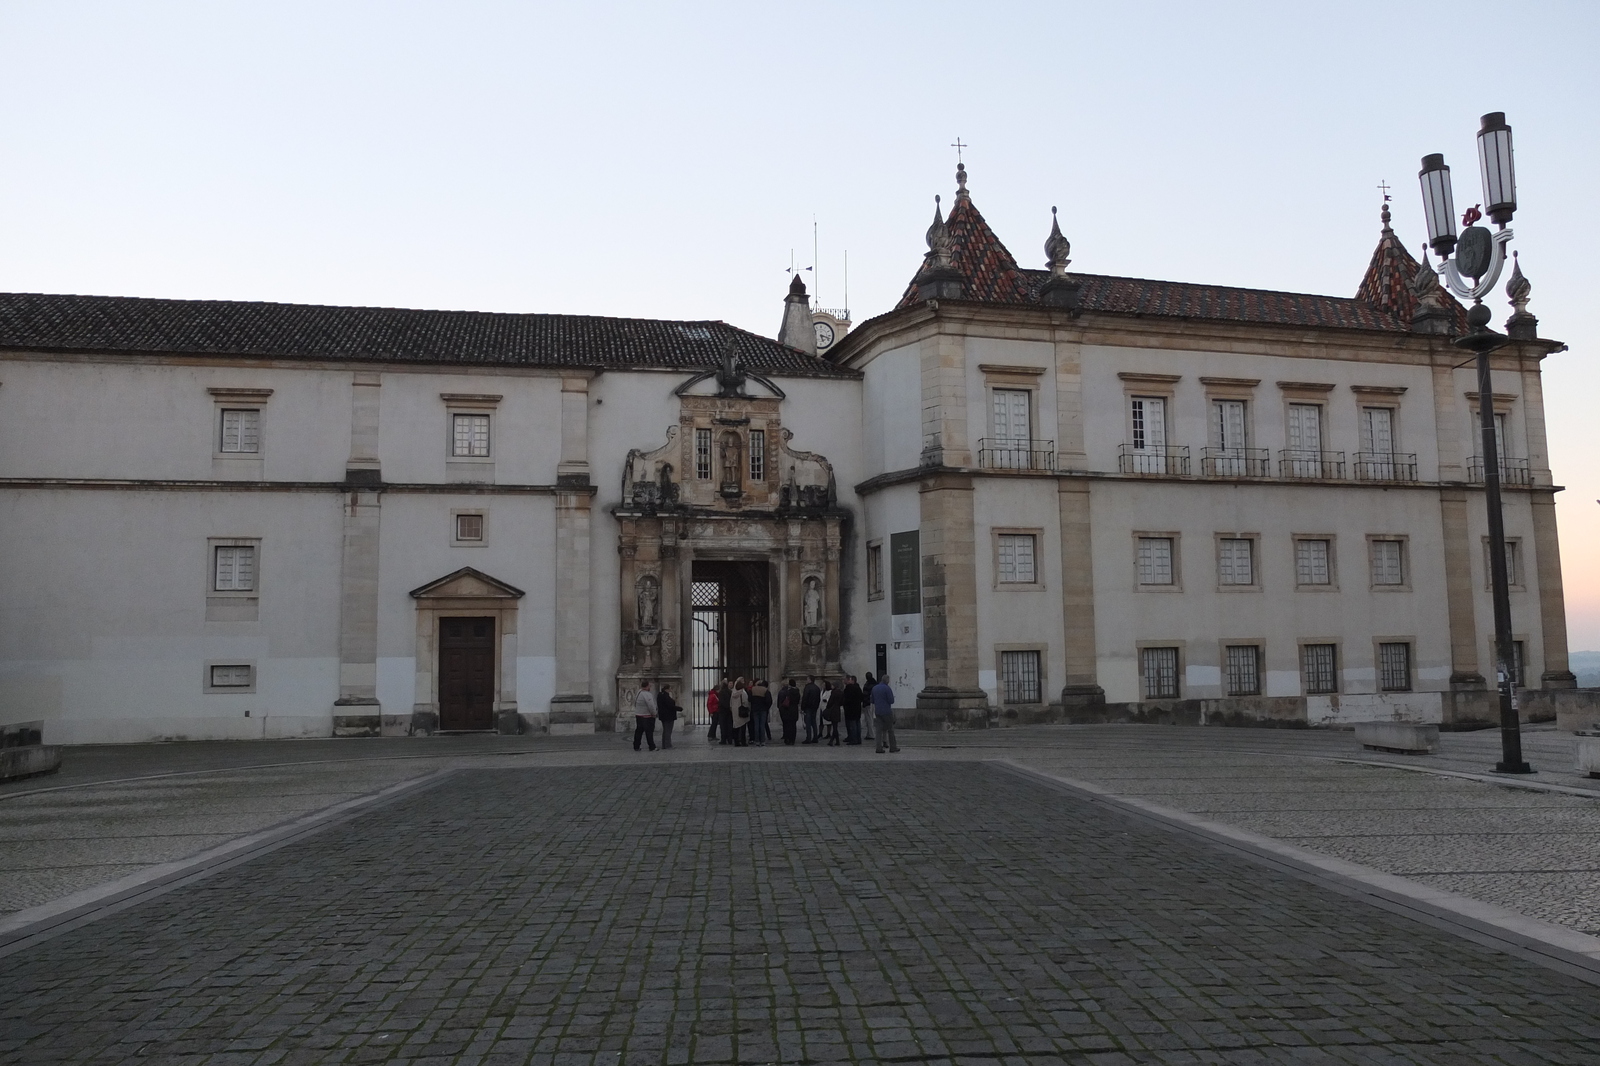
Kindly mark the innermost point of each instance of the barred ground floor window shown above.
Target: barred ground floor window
(1019, 677)
(1244, 670)
(1159, 666)
(1394, 667)
(1319, 668)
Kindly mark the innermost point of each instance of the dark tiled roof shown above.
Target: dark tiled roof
(991, 275)
(382, 334)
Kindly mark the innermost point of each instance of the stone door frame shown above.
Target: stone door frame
(467, 593)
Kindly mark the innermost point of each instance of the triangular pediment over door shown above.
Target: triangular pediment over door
(467, 584)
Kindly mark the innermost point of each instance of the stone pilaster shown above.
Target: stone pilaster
(357, 712)
(1533, 419)
(1464, 672)
(1449, 424)
(944, 402)
(1082, 688)
(1552, 601)
(831, 601)
(1070, 451)
(572, 706)
(949, 604)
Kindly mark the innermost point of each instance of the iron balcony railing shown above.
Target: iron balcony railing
(1512, 471)
(1159, 462)
(1302, 463)
(1016, 453)
(1385, 466)
(1235, 462)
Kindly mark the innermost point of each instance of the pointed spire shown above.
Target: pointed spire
(939, 239)
(1521, 325)
(961, 182)
(797, 330)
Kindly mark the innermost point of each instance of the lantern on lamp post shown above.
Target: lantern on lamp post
(1471, 273)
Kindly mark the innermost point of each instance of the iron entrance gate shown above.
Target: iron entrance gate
(728, 636)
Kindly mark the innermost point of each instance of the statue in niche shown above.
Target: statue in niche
(649, 604)
(730, 458)
(811, 604)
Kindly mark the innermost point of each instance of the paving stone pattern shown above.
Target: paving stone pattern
(747, 912)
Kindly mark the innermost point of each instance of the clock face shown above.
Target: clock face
(824, 335)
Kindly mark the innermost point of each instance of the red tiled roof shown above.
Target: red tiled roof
(1387, 282)
(991, 274)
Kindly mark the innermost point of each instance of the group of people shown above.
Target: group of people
(741, 712)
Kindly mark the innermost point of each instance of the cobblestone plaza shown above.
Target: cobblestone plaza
(772, 909)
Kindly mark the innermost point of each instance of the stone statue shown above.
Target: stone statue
(730, 458)
(649, 604)
(811, 610)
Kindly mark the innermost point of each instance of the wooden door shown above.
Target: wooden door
(466, 673)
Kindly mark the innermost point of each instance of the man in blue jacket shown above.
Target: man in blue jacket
(883, 710)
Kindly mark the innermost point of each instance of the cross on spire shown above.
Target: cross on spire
(1383, 186)
(958, 145)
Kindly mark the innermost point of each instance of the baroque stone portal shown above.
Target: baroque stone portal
(730, 543)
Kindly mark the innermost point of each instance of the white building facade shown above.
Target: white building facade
(1022, 495)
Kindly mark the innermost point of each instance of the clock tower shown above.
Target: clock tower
(830, 326)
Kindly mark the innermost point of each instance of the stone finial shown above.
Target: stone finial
(1431, 315)
(938, 279)
(939, 243)
(1056, 248)
(1059, 290)
(1384, 216)
(1521, 325)
(961, 182)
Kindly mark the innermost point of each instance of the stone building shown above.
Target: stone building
(1024, 495)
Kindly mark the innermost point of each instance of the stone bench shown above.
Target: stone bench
(1401, 738)
(1589, 752)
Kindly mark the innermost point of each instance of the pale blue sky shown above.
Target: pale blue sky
(661, 161)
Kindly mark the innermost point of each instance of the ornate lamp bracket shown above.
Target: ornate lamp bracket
(1497, 261)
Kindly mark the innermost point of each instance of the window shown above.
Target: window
(1394, 666)
(1236, 561)
(234, 569)
(469, 527)
(875, 571)
(241, 431)
(1244, 670)
(1019, 677)
(1311, 559)
(1149, 424)
(1227, 420)
(758, 455)
(1513, 564)
(1319, 668)
(1388, 562)
(1377, 430)
(702, 454)
(1160, 669)
(232, 676)
(1016, 558)
(1155, 561)
(470, 437)
(1009, 408)
(1305, 430)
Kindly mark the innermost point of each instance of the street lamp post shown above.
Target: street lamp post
(1479, 258)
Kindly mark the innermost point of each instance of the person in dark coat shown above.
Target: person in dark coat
(850, 701)
(725, 711)
(789, 709)
(666, 713)
(832, 712)
(810, 702)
